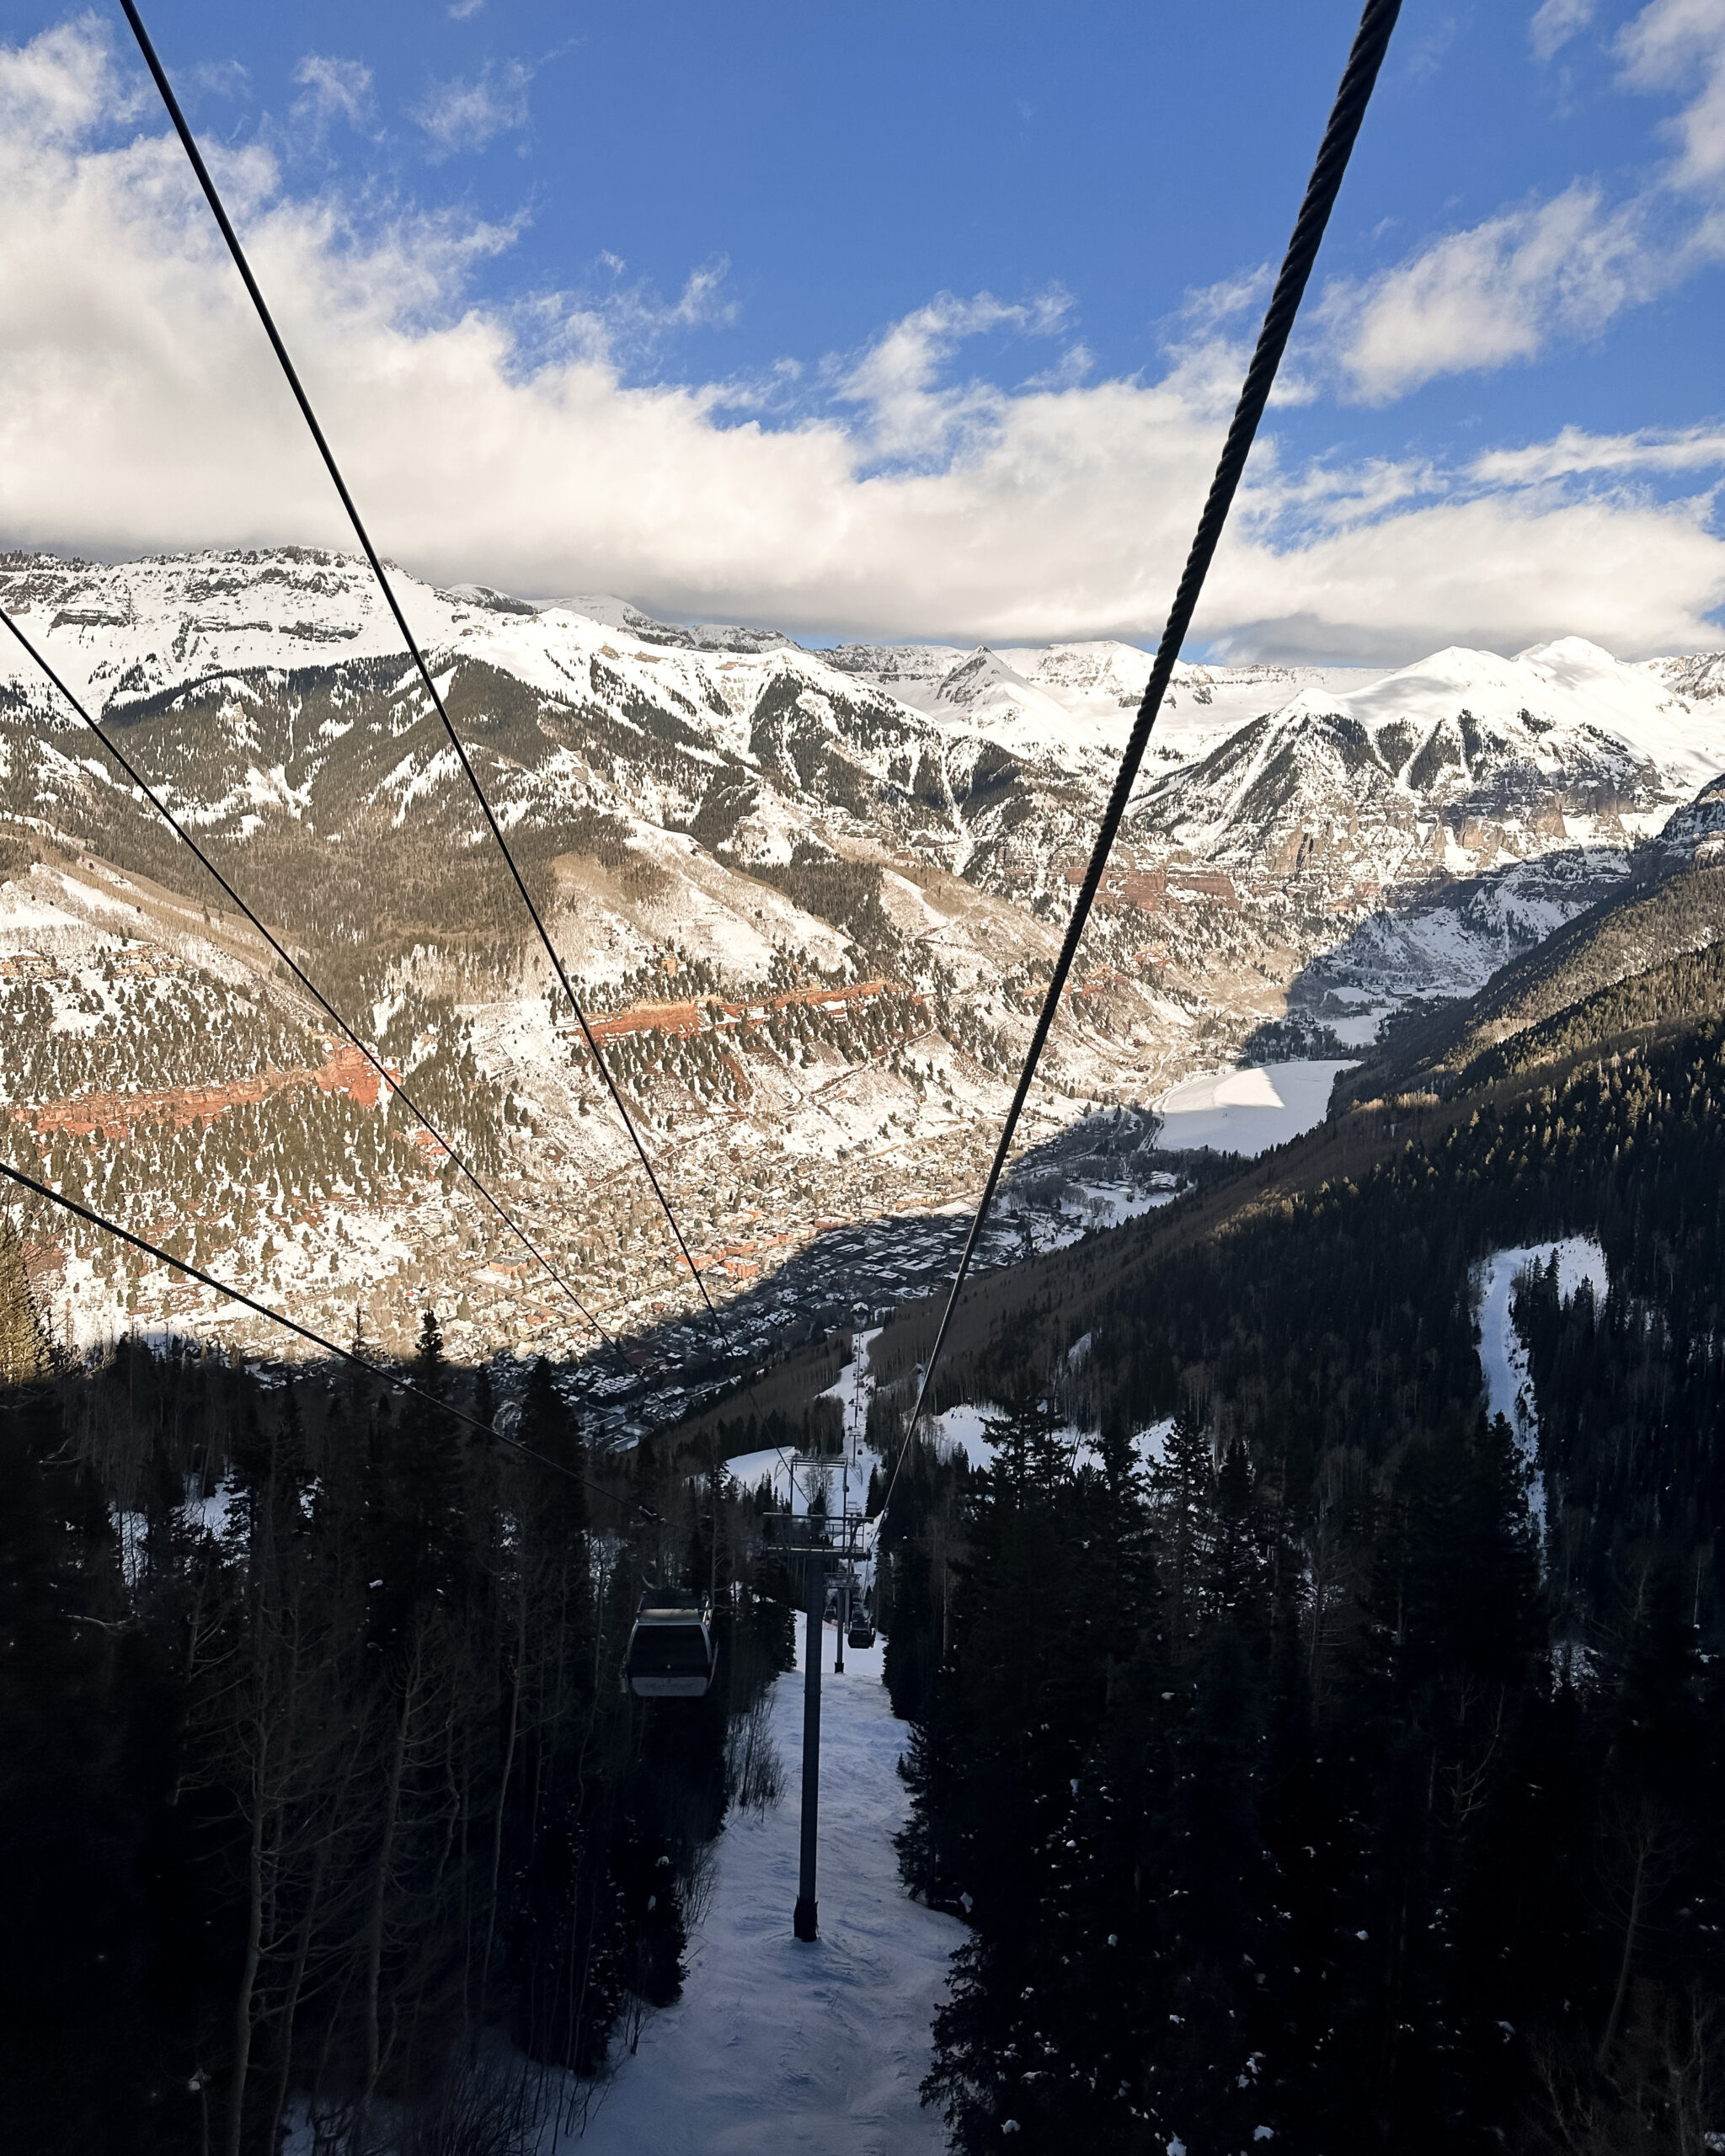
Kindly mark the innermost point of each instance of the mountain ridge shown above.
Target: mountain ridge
(713, 814)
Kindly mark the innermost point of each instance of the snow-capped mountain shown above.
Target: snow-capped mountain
(812, 895)
(1448, 766)
(1700, 677)
(1453, 765)
(1063, 700)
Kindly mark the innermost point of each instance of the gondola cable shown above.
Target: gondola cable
(300, 974)
(1359, 79)
(315, 1339)
(189, 144)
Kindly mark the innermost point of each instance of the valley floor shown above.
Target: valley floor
(774, 2045)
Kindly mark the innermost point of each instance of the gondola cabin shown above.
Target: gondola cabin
(670, 1652)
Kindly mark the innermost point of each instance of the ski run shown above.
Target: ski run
(782, 2046)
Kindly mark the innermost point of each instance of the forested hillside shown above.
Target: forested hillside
(1649, 956)
(1298, 1789)
(316, 1776)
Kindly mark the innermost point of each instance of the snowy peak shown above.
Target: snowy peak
(994, 759)
(1552, 693)
(1700, 677)
(134, 629)
(1466, 760)
(1072, 705)
(608, 612)
(138, 627)
(1571, 682)
(1697, 830)
(614, 613)
(487, 600)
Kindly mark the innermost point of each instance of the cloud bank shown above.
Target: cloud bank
(869, 493)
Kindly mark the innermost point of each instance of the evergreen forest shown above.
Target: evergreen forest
(1319, 1764)
(323, 1806)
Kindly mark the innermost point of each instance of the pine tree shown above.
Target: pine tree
(1183, 1489)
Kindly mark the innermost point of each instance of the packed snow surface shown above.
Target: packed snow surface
(1247, 1110)
(960, 1430)
(776, 2045)
(1502, 1354)
(797, 1476)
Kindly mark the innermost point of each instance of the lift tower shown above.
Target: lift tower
(804, 1923)
(823, 1545)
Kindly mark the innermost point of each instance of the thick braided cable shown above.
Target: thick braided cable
(1358, 80)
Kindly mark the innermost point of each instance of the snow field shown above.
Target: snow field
(784, 2047)
(1248, 1110)
(1502, 1354)
(960, 1429)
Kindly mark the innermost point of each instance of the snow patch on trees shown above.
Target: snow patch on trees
(1503, 1353)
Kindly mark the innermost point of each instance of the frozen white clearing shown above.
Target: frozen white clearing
(960, 1430)
(1503, 1354)
(797, 1476)
(776, 2045)
(1248, 1110)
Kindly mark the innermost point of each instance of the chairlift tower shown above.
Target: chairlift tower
(820, 1542)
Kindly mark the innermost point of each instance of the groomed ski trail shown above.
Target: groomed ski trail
(806, 2050)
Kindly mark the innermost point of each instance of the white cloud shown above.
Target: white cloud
(1574, 453)
(1493, 572)
(334, 89)
(913, 414)
(461, 11)
(626, 324)
(1680, 44)
(1205, 309)
(462, 116)
(61, 84)
(1498, 292)
(877, 492)
(222, 78)
(1504, 290)
(1555, 22)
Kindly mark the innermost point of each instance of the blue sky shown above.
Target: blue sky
(903, 320)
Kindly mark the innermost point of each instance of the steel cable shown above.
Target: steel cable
(305, 979)
(211, 194)
(1359, 79)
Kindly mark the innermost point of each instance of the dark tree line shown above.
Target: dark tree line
(1296, 1796)
(317, 1779)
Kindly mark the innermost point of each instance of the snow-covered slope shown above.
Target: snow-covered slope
(1448, 765)
(133, 628)
(1699, 676)
(1697, 830)
(1050, 701)
(1504, 1365)
(777, 2045)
